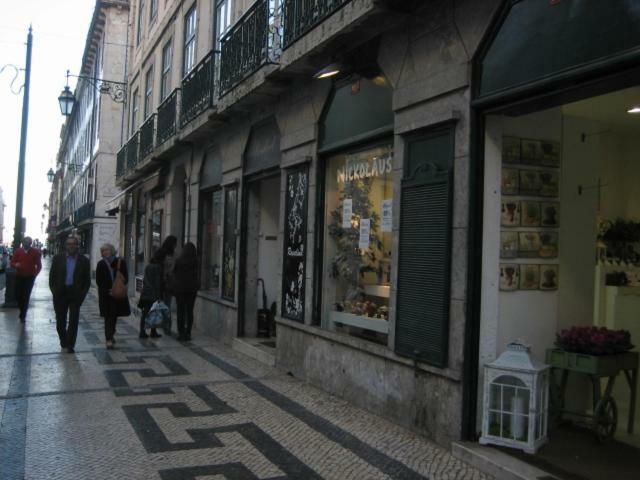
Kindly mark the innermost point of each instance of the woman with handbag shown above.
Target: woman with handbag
(185, 287)
(152, 291)
(113, 300)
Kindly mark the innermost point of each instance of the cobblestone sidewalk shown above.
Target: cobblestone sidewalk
(167, 410)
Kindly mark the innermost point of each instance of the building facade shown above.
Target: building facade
(2, 207)
(339, 166)
(91, 135)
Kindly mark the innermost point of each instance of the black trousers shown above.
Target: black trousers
(109, 327)
(24, 285)
(185, 303)
(63, 304)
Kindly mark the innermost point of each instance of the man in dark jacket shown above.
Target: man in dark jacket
(69, 281)
(26, 261)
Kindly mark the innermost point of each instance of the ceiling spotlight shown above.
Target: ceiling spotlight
(329, 71)
(635, 109)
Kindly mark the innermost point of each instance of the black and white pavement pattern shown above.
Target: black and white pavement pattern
(160, 409)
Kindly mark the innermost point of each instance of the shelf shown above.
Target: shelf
(383, 291)
(376, 324)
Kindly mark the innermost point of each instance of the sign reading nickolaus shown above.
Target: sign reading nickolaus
(374, 167)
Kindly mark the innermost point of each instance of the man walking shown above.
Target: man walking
(69, 281)
(26, 261)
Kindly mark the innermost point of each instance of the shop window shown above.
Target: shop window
(295, 241)
(358, 243)
(422, 318)
(211, 241)
(140, 227)
(229, 244)
(156, 231)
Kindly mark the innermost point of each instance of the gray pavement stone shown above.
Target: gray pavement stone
(160, 409)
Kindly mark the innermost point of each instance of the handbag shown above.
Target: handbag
(157, 315)
(119, 288)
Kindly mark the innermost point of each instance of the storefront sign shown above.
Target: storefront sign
(347, 212)
(387, 215)
(375, 167)
(365, 233)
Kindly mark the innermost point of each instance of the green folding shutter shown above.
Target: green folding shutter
(422, 313)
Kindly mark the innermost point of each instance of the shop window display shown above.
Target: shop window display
(211, 241)
(358, 243)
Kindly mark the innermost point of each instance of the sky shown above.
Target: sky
(59, 34)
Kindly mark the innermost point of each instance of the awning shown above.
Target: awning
(147, 184)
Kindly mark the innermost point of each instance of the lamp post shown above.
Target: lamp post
(10, 292)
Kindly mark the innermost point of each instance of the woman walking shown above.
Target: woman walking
(152, 290)
(110, 307)
(167, 251)
(185, 287)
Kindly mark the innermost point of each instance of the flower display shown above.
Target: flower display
(592, 340)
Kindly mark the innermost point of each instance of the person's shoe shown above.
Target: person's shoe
(143, 335)
(109, 344)
(155, 335)
(70, 350)
(187, 337)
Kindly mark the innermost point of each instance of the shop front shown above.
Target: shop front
(558, 210)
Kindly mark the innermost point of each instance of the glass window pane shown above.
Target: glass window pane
(495, 397)
(358, 243)
(212, 241)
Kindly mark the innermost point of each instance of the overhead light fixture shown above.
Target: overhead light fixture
(634, 109)
(330, 70)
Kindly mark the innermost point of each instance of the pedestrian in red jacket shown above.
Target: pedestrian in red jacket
(26, 261)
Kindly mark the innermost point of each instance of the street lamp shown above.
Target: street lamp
(51, 175)
(116, 90)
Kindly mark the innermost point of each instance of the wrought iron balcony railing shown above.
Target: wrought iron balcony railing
(121, 161)
(132, 151)
(197, 90)
(84, 212)
(247, 46)
(167, 118)
(300, 16)
(147, 135)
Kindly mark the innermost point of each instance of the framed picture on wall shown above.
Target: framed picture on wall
(550, 153)
(508, 244)
(550, 214)
(528, 244)
(509, 276)
(510, 181)
(530, 214)
(531, 152)
(548, 277)
(510, 214)
(510, 150)
(529, 277)
(548, 245)
(549, 184)
(530, 182)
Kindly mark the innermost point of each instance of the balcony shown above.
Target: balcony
(85, 212)
(121, 161)
(167, 115)
(245, 48)
(197, 90)
(300, 16)
(132, 151)
(146, 136)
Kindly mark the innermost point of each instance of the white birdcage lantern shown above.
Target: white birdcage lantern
(516, 400)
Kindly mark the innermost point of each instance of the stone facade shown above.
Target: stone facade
(424, 51)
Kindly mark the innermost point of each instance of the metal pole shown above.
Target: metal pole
(17, 230)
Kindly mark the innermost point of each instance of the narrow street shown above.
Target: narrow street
(166, 410)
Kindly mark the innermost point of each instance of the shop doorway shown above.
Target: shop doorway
(561, 249)
(261, 259)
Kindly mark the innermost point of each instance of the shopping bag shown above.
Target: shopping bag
(158, 314)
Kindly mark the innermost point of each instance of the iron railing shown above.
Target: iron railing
(121, 161)
(245, 48)
(132, 151)
(300, 16)
(147, 136)
(84, 212)
(167, 115)
(197, 90)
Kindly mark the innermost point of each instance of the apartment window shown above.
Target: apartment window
(165, 82)
(153, 10)
(140, 23)
(190, 23)
(148, 93)
(134, 111)
(223, 16)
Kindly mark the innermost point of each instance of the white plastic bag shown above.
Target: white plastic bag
(158, 314)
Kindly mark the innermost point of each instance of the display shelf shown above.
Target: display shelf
(369, 323)
(383, 291)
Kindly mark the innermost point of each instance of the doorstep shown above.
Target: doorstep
(498, 464)
(255, 348)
